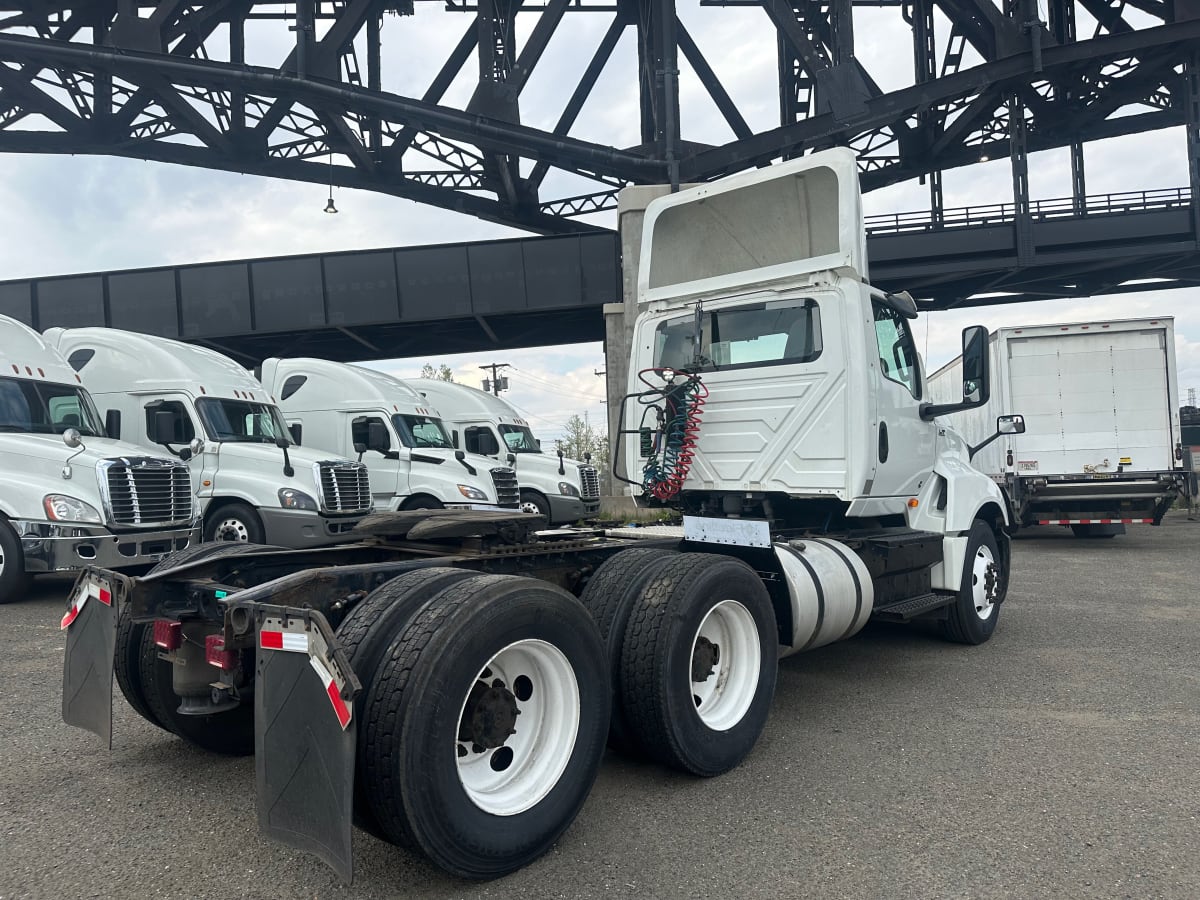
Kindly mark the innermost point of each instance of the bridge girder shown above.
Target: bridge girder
(168, 81)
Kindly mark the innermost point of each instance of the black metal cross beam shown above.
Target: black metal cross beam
(169, 81)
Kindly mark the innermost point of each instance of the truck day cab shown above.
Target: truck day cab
(560, 489)
(70, 496)
(208, 411)
(450, 681)
(349, 410)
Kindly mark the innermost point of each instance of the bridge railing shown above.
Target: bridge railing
(1040, 210)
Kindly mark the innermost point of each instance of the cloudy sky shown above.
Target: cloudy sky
(76, 214)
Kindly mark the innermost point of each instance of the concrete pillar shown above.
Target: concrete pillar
(619, 317)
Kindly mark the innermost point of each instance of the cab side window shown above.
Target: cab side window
(897, 352)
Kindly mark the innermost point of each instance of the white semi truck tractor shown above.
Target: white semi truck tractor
(449, 682)
(70, 496)
(253, 485)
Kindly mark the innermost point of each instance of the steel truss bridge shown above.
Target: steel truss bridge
(170, 81)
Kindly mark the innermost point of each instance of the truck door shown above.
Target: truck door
(902, 443)
(387, 466)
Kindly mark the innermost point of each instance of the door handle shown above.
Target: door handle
(883, 442)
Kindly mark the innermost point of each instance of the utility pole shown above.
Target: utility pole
(496, 383)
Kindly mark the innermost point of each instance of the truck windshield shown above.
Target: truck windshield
(241, 421)
(422, 431)
(519, 439)
(771, 333)
(40, 407)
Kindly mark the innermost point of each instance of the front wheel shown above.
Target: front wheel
(699, 663)
(973, 616)
(486, 724)
(533, 502)
(14, 580)
(234, 522)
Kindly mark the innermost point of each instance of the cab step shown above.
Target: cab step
(909, 609)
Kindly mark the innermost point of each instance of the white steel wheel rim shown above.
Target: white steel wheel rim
(517, 775)
(528, 506)
(1, 558)
(233, 530)
(724, 697)
(980, 565)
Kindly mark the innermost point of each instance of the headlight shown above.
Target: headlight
(565, 487)
(471, 493)
(61, 508)
(290, 498)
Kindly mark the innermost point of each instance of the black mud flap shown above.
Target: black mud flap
(304, 742)
(91, 626)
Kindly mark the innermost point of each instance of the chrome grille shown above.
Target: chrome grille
(144, 492)
(589, 482)
(508, 494)
(345, 487)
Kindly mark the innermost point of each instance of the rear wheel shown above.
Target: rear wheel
(14, 580)
(235, 523)
(485, 781)
(609, 596)
(365, 635)
(699, 663)
(1098, 530)
(973, 616)
(128, 662)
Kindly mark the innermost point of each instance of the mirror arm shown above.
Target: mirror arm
(971, 451)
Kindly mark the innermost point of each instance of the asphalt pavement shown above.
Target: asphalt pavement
(1061, 759)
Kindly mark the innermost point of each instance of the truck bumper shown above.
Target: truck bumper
(1121, 498)
(564, 509)
(297, 528)
(54, 547)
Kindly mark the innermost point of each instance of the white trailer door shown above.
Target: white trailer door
(1091, 400)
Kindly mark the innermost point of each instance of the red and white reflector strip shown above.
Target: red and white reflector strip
(340, 709)
(86, 590)
(1095, 521)
(283, 640)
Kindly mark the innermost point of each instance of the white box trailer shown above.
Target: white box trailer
(1101, 447)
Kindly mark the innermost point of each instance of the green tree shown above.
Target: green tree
(442, 373)
(580, 437)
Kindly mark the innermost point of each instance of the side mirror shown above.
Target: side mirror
(296, 430)
(282, 443)
(378, 438)
(511, 459)
(360, 449)
(487, 444)
(1004, 425)
(1010, 425)
(460, 455)
(72, 438)
(976, 375)
(112, 423)
(164, 427)
(196, 446)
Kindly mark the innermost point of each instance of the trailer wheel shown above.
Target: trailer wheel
(235, 523)
(973, 616)
(14, 580)
(1097, 531)
(610, 596)
(699, 663)
(486, 724)
(127, 665)
(365, 635)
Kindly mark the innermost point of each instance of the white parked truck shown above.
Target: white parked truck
(449, 682)
(70, 496)
(1102, 443)
(561, 490)
(350, 410)
(209, 412)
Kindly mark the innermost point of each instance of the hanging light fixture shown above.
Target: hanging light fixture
(329, 207)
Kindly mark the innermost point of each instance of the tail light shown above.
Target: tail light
(216, 654)
(1179, 452)
(168, 634)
